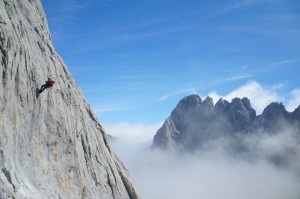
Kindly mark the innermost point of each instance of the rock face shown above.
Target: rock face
(51, 145)
(194, 122)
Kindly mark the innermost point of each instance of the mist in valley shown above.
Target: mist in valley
(268, 166)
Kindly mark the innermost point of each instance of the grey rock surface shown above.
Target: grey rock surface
(274, 114)
(194, 122)
(167, 134)
(51, 145)
(241, 113)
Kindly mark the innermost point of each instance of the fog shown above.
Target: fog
(269, 168)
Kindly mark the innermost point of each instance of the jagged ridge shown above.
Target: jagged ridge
(194, 121)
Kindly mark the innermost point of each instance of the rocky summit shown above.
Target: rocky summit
(194, 122)
(51, 144)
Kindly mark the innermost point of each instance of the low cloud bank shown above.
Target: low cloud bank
(269, 169)
(131, 140)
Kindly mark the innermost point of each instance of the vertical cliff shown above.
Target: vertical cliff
(51, 145)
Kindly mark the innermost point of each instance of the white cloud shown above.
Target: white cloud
(210, 174)
(137, 133)
(178, 92)
(294, 100)
(105, 110)
(163, 175)
(131, 139)
(237, 77)
(259, 96)
(282, 63)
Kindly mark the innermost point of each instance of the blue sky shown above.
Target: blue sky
(135, 59)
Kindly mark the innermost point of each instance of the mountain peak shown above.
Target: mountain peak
(209, 101)
(275, 108)
(221, 105)
(191, 101)
(200, 120)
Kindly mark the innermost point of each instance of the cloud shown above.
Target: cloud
(137, 133)
(213, 173)
(161, 176)
(115, 109)
(259, 96)
(178, 92)
(105, 110)
(230, 79)
(131, 140)
(294, 100)
(282, 63)
(237, 77)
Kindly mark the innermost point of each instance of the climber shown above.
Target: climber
(48, 84)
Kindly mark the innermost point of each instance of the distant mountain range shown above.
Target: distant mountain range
(195, 122)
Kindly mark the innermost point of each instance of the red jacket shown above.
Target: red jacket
(50, 82)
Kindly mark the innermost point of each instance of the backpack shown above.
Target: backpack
(51, 82)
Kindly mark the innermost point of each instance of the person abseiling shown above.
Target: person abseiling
(48, 84)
